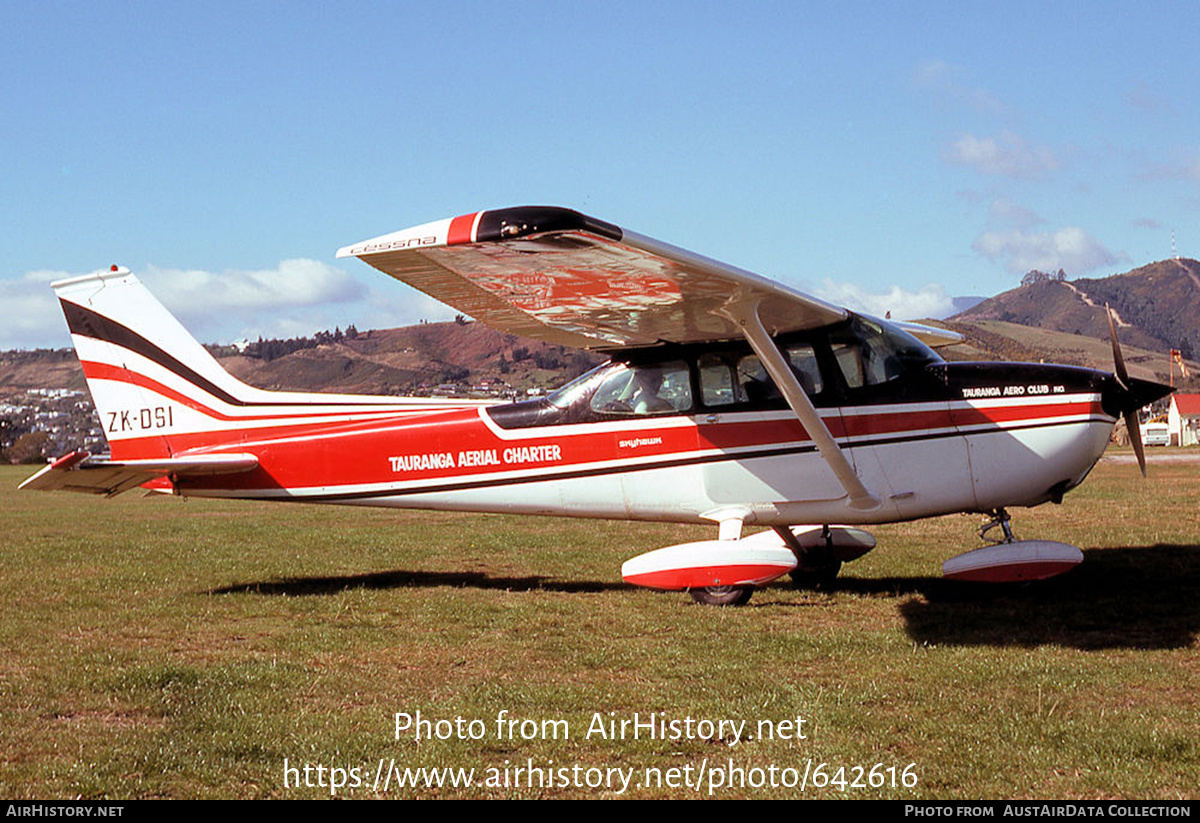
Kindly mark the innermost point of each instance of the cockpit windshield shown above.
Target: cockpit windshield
(869, 353)
(579, 388)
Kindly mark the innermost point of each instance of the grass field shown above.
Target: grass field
(172, 648)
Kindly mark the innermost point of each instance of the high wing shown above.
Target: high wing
(556, 275)
(80, 472)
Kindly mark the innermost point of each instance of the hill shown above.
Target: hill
(409, 360)
(1157, 306)
(22, 371)
(415, 360)
(1001, 340)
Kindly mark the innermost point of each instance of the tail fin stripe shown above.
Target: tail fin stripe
(85, 322)
(88, 323)
(93, 370)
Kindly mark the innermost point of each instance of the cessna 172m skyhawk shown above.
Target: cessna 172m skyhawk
(729, 399)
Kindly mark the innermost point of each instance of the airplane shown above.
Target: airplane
(728, 399)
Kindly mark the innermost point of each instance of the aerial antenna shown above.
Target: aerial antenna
(1174, 253)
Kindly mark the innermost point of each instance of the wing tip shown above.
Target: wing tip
(489, 226)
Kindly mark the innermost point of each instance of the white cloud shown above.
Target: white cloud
(1148, 100)
(32, 318)
(295, 299)
(1006, 213)
(291, 283)
(1070, 248)
(929, 301)
(1006, 155)
(298, 297)
(397, 304)
(949, 82)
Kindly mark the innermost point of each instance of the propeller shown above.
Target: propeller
(1122, 374)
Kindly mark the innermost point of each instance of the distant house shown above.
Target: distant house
(1183, 419)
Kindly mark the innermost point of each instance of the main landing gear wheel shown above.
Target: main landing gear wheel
(817, 567)
(821, 578)
(722, 595)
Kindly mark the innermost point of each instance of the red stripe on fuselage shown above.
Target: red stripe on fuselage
(436, 446)
(884, 421)
(977, 415)
(298, 425)
(451, 445)
(105, 371)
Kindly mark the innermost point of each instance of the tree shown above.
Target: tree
(30, 448)
(1037, 276)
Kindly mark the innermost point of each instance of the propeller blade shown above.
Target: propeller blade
(1132, 425)
(1118, 359)
(1135, 438)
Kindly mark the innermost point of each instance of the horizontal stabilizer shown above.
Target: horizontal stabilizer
(80, 472)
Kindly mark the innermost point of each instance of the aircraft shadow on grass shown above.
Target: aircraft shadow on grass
(1144, 597)
(299, 586)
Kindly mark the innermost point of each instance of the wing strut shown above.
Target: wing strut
(746, 316)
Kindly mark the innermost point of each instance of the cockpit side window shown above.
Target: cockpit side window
(803, 361)
(755, 385)
(659, 388)
(717, 384)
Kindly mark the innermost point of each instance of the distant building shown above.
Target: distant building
(1183, 419)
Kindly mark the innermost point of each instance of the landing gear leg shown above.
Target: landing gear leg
(998, 517)
(816, 568)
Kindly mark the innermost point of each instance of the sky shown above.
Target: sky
(883, 156)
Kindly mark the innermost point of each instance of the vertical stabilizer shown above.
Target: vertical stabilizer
(150, 379)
